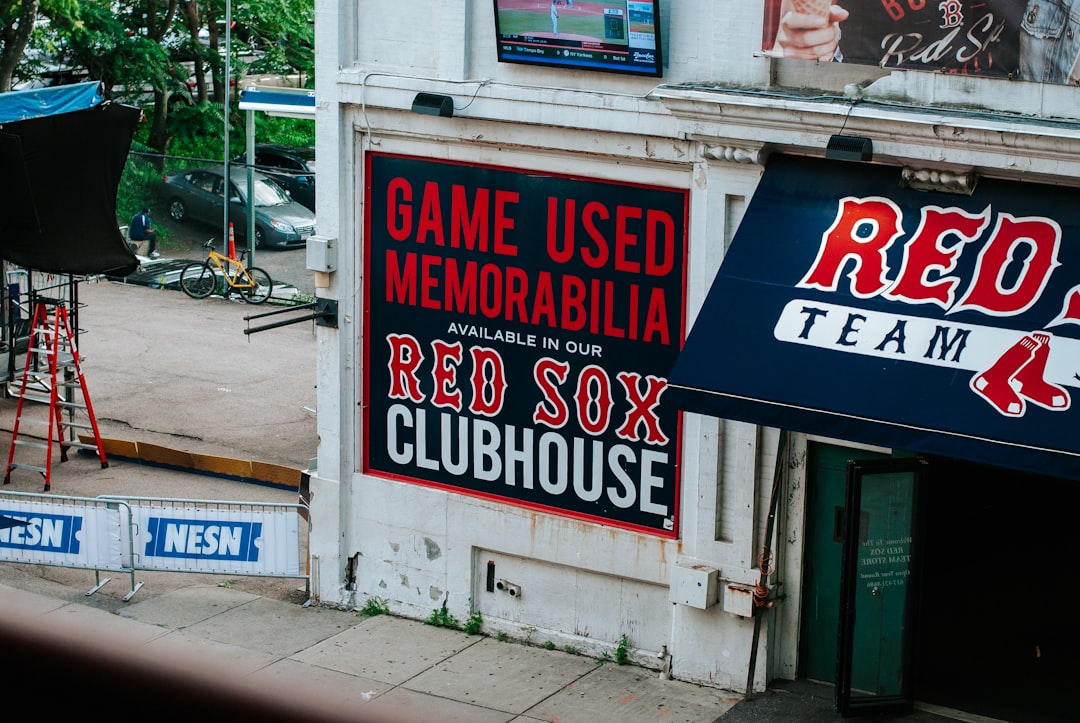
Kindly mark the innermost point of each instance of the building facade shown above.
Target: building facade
(707, 362)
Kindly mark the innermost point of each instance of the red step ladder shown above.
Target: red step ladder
(52, 375)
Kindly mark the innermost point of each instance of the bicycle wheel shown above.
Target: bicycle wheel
(263, 286)
(198, 280)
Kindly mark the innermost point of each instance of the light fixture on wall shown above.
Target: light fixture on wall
(433, 104)
(849, 148)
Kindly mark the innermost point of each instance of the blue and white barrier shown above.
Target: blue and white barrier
(128, 534)
(230, 538)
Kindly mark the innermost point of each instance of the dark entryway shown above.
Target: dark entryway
(996, 635)
(999, 635)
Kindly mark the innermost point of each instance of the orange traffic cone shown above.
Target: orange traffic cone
(232, 242)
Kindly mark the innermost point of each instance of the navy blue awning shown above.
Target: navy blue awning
(852, 307)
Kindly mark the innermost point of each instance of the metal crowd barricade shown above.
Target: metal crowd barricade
(79, 532)
(127, 534)
(267, 539)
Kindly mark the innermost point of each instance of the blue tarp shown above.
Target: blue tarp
(19, 105)
(851, 307)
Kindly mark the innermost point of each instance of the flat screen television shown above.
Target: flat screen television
(616, 36)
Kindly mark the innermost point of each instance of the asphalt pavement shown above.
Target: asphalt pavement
(176, 382)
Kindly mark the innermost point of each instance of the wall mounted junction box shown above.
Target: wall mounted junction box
(694, 585)
(739, 599)
(321, 254)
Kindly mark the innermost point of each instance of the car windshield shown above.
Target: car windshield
(268, 193)
(307, 155)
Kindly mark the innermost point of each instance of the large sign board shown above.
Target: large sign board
(518, 330)
(924, 321)
(1033, 40)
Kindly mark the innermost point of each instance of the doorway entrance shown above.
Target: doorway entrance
(997, 635)
(879, 590)
(1000, 636)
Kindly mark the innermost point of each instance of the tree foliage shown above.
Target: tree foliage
(164, 55)
(19, 23)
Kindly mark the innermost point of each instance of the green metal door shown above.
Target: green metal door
(825, 537)
(878, 586)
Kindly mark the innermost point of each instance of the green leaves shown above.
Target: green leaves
(166, 55)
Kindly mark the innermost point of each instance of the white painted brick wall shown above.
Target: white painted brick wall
(416, 544)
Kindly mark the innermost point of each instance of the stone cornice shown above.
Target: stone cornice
(745, 153)
(740, 126)
(935, 139)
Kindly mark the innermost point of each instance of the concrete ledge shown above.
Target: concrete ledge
(226, 466)
(116, 447)
(162, 455)
(264, 473)
(277, 474)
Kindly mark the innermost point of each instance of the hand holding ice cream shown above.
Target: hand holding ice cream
(809, 29)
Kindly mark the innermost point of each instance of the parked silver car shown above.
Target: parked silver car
(197, 194)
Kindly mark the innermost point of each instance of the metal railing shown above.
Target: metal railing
(131, 534)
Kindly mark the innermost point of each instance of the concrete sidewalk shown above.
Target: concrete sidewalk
(214, 647)
(223, 654)
(192, 408)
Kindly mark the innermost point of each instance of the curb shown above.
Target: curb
(240, 470)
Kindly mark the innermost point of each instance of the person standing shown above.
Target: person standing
(554, 17)
(142, 228)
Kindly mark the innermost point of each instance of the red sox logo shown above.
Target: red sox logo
(952, 13)
(1017, 376)
(1009, 371)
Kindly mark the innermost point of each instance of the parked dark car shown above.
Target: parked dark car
(280, 222)
(292, 168)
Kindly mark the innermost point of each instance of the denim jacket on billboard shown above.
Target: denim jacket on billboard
(1049, 40)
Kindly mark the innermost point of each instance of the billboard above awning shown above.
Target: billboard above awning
(1033, 40)
(852, 307)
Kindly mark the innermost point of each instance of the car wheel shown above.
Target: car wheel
(260, 238)
(177, 210)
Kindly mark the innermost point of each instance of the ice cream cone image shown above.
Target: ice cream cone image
(819, 8)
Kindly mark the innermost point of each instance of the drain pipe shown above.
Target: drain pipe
(765, 561)
(665, 663)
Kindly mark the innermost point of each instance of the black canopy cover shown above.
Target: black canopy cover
(58, 182)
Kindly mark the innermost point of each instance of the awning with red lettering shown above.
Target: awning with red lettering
(853, 307)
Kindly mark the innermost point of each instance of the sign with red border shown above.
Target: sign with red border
(518, 331)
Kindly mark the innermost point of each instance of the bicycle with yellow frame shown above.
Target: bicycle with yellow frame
(199, 279)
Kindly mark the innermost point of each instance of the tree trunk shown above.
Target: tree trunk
(217, 67)
(158, 138)
(192, 23)
(15, 40)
